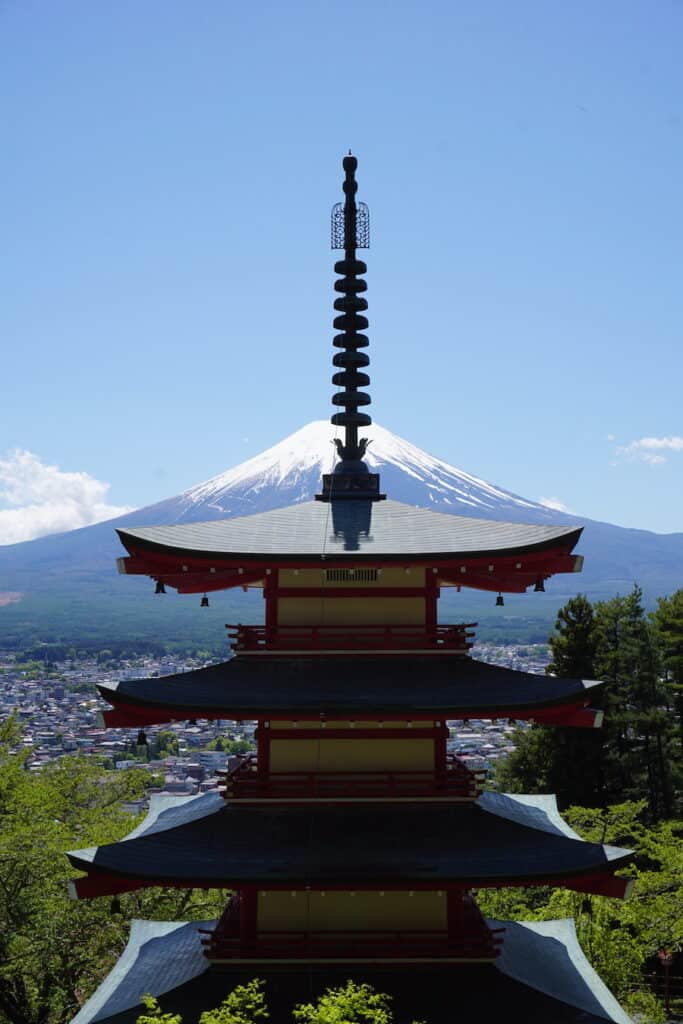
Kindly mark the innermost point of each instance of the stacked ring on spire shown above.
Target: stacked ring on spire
(350, 305)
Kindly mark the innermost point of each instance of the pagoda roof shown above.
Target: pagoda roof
(541, 975)
(290, 686)
(204, 841)
(316, 531)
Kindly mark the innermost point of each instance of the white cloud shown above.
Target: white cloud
(649, 449)
(556, 504)
(42, 499)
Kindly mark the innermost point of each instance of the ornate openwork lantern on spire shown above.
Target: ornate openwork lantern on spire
(350, 231)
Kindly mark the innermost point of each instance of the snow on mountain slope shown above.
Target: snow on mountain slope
(291, 471)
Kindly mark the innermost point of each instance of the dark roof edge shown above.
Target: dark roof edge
(572, 535)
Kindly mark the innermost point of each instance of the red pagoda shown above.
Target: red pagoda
(352, 841)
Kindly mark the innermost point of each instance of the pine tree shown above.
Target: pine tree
(638, 738)
(634, 755)
(564, 761)
(668, 624)
(573, 642)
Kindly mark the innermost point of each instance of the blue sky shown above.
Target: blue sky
(168, 170)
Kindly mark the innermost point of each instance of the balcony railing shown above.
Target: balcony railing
(456, 783)
(454, 639)
(480, 944)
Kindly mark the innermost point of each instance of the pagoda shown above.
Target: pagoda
(353, 841)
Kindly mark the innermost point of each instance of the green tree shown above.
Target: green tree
(54, 951)
(246, 1004)
(619, 937)
(165, 744)
(638, 743)
(564, 761)
(634, 754)
(229, 746)
(155, 1015)
(350, 1004)
(668, 624)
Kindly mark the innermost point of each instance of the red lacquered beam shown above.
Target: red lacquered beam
(192, 573)
(106, 883)
(125, 715)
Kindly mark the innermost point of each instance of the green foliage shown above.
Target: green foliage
(636, 755)
(246, 1004)
(154, 1013)
(165, 744)
(637, 752)
(668, 625)
(54, 951)
(645, 1008)
(351, 1004)
(618, 936)
(668, 620)
(556, 760)
(573, 645)
(230, 746)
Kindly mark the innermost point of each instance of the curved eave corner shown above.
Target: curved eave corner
(546, 956)
(159, 956)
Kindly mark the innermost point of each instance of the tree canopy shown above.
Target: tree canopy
(54, 951)
(246, 1004)
(619, 937)
(637, 752)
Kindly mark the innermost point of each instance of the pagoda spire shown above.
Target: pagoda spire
(350, 231)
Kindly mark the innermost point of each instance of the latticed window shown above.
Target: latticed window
(351, 575)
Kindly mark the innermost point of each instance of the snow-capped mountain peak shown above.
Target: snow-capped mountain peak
(291, 472)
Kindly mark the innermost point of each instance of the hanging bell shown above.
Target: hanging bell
(499, 601)
(540, 587)
(204, 603)
(160, 588)
(142, 738)
(115, 906)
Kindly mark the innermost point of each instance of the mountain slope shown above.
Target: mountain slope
(82, 561)
(291, 471)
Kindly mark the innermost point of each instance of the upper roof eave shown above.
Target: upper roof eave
(306, 533)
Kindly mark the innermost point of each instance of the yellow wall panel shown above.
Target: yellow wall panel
(368, 611)
(294, 755)
(356, 723)
(344, 911)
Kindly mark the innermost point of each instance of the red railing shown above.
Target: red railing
(481, 944)
(456, 639)
(457, 783)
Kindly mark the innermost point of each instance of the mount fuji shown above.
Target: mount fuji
(81, 562)
(291, 472)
